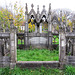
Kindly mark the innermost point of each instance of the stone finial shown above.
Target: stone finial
(61, 14)
(43, 6)
(26, 8)
(49, 6)
(32, 6)
(26, 5)
(37, 8)
(61, 17)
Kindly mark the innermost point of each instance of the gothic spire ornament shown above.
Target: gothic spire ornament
(26, 8)
(32, 6)
(37, 9)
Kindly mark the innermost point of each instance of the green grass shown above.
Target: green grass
(19, 41)
(69, 70)
(37, 55)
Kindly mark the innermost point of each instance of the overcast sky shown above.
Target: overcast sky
(55, 4)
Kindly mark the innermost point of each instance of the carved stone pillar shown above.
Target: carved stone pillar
(49, 28)
(13, 46)
(49, 32)
(62, 47)
(26, 29)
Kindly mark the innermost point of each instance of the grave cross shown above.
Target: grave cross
(32, 6)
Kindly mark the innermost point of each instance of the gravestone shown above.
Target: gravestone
(38, 19)
(38, 42)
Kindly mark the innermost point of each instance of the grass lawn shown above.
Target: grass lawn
(37, 55)
(69, 70)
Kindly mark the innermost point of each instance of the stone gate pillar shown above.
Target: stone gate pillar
(62, 44)
(62, 47)
(26, 28)
(49, 29)
(13, 45)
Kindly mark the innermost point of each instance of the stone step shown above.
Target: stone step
(35, 64)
